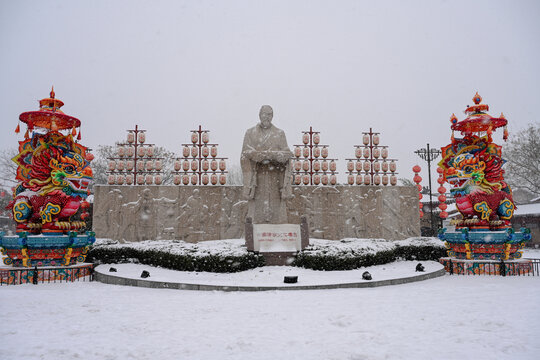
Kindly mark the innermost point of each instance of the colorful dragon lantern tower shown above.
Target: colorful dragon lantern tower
(472, 165)
(53, 176)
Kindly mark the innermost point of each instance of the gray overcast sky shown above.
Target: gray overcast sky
(400, 67)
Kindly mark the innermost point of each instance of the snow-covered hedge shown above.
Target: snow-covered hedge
(224, 256)
(348, 254)
(232, 256)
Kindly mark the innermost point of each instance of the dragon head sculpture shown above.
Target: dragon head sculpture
(54, 174)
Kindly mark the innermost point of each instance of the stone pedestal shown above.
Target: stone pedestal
(276, 257)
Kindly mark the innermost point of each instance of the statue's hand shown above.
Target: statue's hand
(282, 157)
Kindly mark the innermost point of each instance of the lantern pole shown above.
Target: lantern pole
(429, 155)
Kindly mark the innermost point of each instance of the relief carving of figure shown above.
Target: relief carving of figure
(266, 169)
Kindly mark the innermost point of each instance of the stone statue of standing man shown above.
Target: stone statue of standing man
(266, 169)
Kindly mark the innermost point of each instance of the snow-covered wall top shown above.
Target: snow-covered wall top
(199, 213)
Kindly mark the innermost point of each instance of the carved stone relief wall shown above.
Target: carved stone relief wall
(199, 213)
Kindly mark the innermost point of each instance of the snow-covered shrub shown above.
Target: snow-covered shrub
(349, 254)
(177, 255)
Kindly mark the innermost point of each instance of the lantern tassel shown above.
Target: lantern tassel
(17, 129)
(26, 134)
(73, 131)
(79, 136)
(505, 134)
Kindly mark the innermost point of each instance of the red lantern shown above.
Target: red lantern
(417, 179)
(205, 151)
(324, 152)
(205, 137)
(205, 165)
(350, 166)
(324, 179)
(443, 206)
(421, 213)
(140, 179)
(440, 180)
(443, 215)
(441, 190)
(213, 179)
(205, 179)
(194, 179)
(149, 179)
(392, 166)
(333, 179)
(420, 205)
(316, 138)
(365, 139)
(185, 179)
(297, 179)
(297, 151)
(316, 152)
(316, 165)
(442, 198)
(332, 166)
(419, 187)
(185, 165)
(222, 179)
(440, 170)
(141, 137)
(416, 169)
(350, 179)
(420, 196)
(324, 165)
(177, 179)
(316, 179)
(367, 180)
(366, 152)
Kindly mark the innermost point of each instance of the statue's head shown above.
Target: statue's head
(265, 115)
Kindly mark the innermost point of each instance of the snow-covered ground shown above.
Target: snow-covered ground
(272, 275)
(451, 317)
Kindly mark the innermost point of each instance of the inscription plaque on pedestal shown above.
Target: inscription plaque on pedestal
(277, 238)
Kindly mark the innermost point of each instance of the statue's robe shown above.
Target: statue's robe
(267, 181)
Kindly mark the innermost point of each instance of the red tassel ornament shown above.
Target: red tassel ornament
(17, 129)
